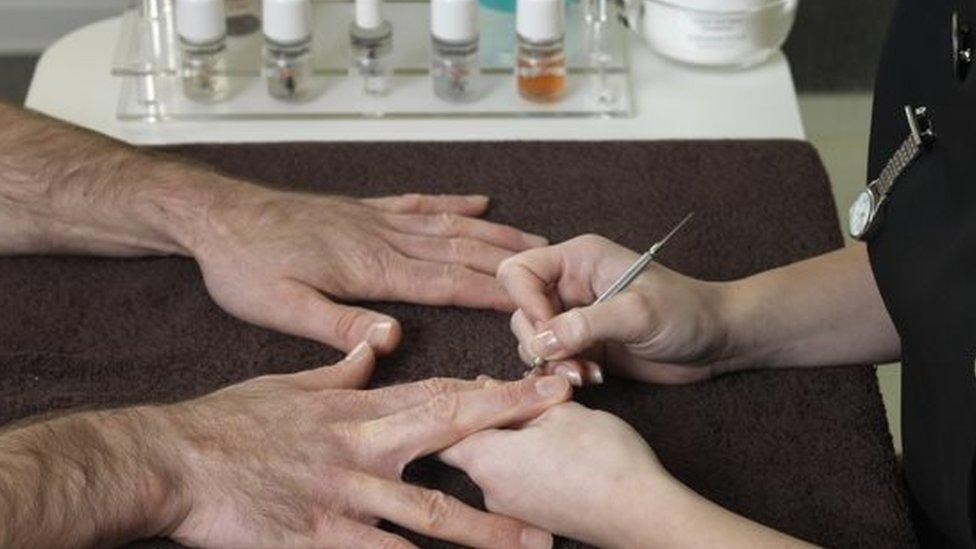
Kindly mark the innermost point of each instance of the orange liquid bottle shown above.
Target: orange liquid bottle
(540, 70)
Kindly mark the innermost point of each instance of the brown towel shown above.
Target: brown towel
(807, 452)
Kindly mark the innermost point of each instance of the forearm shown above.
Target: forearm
(64, 189)
(670, 514)
(820, 312)
(88, 479)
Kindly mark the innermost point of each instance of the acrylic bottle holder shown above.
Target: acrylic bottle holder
(147, 59)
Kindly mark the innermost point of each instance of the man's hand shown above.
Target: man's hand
(299, 460)
(276, 259)
(272, 258)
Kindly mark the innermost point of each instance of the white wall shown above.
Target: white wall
(28, 26)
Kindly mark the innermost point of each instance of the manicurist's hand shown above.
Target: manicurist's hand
(665, 328)
(309, 460)
(587, 475)
(283, 260)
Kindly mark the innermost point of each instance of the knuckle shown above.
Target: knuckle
(412, 200)
(437, 510)
(511, 394)
(344, 326)
(450, 223)
(445, 409)
(458, 247)
(436, 386)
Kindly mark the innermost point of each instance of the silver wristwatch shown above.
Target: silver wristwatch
(865, 213)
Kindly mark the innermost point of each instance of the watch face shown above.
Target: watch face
(861, 213)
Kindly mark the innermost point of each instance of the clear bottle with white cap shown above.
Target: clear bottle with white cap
(454, 49)
(288, 48)
(541, 57)
(202, 28)
(371, 38)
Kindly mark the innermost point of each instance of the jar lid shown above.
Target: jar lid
(287, 21)
(201, 21)
(725, 5)
(540, 20)
(454, 20)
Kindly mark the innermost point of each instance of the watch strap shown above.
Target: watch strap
(920, 135)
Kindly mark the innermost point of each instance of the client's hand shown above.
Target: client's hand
(576, 472)
(588, 475)
(277, 259)
(665, 328)
(307, 460)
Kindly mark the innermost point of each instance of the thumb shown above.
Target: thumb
(353, 372)
(627, 318)
(305, 312)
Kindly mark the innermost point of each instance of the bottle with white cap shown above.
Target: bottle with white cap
(371, 38)
(454, 49)
(541, 58)
(287, 48)
(202, 28)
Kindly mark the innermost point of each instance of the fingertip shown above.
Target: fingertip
(553, 388)
(536, 241)
(567, 370)
(384, 335)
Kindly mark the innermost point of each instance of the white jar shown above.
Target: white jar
(715, 33)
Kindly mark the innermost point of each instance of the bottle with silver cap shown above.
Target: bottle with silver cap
(202, 29)
(541, 58)
(287, 48)
(371, 38)
(454, 49)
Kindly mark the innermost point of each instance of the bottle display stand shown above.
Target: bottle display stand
(147, 59)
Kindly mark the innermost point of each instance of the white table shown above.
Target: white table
(73, 82)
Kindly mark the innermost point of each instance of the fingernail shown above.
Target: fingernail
(597, 376)
(545, 344)
(533, 538)
(572, 375)
(379, 333)
(550, 386)
(358, 352)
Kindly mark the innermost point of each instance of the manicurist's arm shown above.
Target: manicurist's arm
(587, 475)
(669, 328)
(273, 258)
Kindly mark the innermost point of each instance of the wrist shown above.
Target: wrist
(655, 499)
(147, 470)
(735, 311)
(179, 201)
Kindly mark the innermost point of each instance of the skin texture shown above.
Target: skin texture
(276, 259)
(665, 328)
(669, 328)
(299, 460)
(631, 501)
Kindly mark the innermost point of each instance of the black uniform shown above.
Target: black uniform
(924, 258)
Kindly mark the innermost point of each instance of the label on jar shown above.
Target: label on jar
(716, 37)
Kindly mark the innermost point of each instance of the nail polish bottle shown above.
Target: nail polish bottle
(372, 41)
(202, 29)
(541, 58)
(287, 48)
(454, 49)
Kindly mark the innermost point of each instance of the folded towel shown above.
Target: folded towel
(804, 451)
